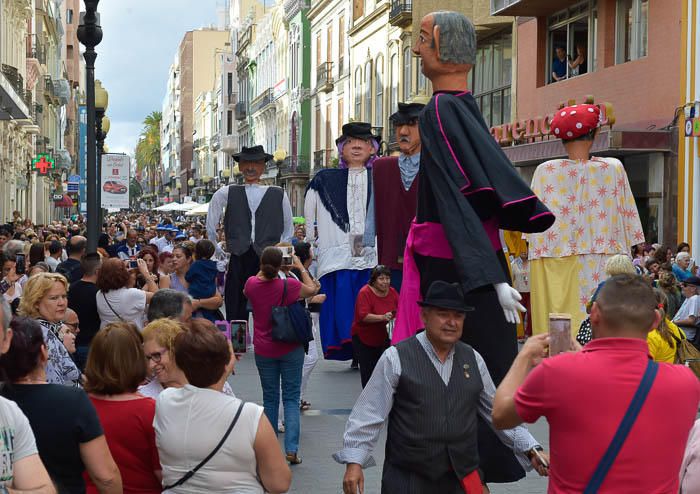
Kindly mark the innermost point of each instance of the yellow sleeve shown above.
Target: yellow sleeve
(659, 349)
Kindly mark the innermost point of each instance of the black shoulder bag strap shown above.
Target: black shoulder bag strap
(112, 308)
(189, 474)
(284, 293)
(623, 430)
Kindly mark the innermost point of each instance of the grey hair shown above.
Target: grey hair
(682, 256)
(6, 314)
(167, 303)
(12, 248)
(457, 37)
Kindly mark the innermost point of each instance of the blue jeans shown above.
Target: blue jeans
(289, 368)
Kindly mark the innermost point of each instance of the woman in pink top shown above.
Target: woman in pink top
(690, 469)
(275, 360)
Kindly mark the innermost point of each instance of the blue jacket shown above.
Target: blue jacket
(202, 278)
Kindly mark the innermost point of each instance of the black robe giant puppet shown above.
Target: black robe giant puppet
(467, 191)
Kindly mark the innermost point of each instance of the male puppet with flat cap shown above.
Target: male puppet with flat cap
(256, 217)
(596, 219)
(337, 203)
(467, 191)
(396, 190)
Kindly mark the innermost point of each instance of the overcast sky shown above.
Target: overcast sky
(140, 40)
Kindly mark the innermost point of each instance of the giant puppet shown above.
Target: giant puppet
(340, 225)
(256, 217)
(467, 191)
(596, 218)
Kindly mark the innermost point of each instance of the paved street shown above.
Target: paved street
(332, 391)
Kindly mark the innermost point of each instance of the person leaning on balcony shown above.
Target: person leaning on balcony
(257, 216)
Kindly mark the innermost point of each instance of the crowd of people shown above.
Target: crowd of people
(116, 363)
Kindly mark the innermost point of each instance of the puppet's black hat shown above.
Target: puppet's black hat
(359, 130)
(253, 153)
(407, 113)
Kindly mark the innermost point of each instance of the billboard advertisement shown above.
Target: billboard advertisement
(82, 157)
(114, 186)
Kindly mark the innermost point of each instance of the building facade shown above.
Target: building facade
(622, 42)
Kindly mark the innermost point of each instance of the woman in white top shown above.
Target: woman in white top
(191, 421)
(117, 299)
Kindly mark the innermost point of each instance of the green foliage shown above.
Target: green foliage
(148, 148)
(135, 192)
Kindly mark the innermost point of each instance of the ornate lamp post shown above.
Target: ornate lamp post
(101, 129)
(90, 35)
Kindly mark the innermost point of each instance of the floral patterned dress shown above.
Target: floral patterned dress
(60, 369)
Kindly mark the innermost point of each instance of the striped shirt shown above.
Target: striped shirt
(375, 402)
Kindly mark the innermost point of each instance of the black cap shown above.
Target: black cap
(445, 296)
(407, 113)
(253, 153)
(358, 130)
(692, 280)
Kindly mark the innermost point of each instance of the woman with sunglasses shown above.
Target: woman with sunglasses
(375, 308)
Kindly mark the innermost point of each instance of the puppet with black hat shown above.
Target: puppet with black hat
(337, 203)
(256, 216)
(396, 189)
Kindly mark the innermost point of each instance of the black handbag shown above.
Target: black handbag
(292, 323)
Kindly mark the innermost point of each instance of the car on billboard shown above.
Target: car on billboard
(114, 187)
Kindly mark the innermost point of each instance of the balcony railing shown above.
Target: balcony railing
(324, 77)
(322, 159)
(401, 13)
(262, 100)
(215, 142)
(49, 90)
(295, 165)
(36, 48)
(14, 78)
(241, 110)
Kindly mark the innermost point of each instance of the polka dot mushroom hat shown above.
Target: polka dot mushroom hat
(574, 121)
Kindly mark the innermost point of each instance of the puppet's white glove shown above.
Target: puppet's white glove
(509, 298)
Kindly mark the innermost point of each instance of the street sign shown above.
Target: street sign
(74, 179)
(692, 127)
(73, 188)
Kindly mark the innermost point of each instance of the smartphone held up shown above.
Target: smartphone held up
(559, 333)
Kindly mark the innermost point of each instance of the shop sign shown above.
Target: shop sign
(692, 127)
(531, 129)
(43, 163)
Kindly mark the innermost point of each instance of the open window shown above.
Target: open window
(571, 41)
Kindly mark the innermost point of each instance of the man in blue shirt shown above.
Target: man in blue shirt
(559, 64)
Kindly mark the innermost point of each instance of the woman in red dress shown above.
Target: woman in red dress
(375, 308)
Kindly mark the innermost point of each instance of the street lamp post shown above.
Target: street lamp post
(90, 35)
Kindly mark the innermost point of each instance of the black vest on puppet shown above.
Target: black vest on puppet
(269, 220)
(432, 427)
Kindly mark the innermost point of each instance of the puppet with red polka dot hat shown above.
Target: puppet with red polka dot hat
(596, 217)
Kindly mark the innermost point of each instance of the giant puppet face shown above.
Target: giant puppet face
(446, 44)
(252, 170)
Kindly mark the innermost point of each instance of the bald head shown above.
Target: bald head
(76, 246)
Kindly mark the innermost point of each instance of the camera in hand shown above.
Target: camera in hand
(133, 264)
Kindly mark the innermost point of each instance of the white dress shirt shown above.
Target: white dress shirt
(372, 408)
(254, 193)
(334, 246)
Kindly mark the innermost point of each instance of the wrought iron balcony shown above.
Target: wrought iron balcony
(401, 13)
(14, 78)
(295, 165)
(36, 48)
(241, 110)
(324, 77)
(262, 100)
(215, 142)
(49, 90)
(322, 159)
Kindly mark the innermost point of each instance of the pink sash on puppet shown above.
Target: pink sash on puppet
(426, 239)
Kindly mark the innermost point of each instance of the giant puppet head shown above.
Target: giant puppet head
(446, 45)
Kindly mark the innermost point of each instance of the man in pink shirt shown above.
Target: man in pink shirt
(584, 396)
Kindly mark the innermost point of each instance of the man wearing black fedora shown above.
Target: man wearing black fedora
(396, 190)
(256, 216)
(432, 388)
(336, 208)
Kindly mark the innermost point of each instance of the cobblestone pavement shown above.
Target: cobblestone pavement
(332, 391)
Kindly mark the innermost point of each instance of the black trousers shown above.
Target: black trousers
(240, 268)
(367, 356)
(396, 480)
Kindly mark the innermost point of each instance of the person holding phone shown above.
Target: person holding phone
(9, 285)
(117, 299)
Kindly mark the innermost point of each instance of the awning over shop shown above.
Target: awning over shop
(528, 8)
(65, 202)
(611, 142)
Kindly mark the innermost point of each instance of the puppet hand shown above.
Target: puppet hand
(509, 298)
